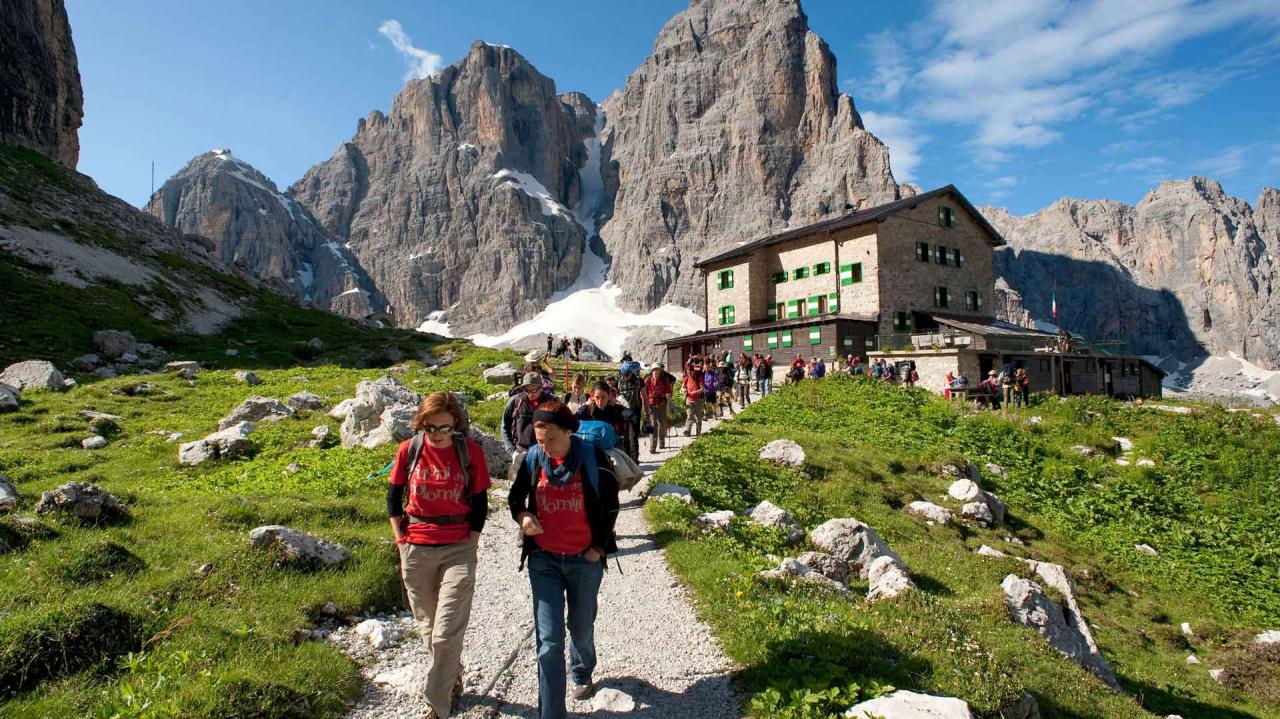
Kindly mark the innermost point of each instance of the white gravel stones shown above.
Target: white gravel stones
(32, 374)
(665, 491)
(768, 514)
(247, 377)
(9, 398)
(608, 699)
(903, 704)
(783, 452)
(504, 374)
(380, 414)
(256, 409)
(887, 577)
(1146, 549)
(298, 547)
(81, 500)
(1271, 636)
(305, 401)
(94, 442)
(964, 490)
(978, 512)
(931, 512)
(375, 632)
(8, 494)
(409, 680)
(852, 541)
(1065, 631)
(226, 444)
(721, 521)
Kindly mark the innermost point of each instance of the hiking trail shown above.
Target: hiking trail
(650, 643)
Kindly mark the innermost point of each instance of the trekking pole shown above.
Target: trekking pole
(618, 563)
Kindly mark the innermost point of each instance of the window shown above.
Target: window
(793, 309)
(901, 321)
(959, 258)
(822, 268)
(946, 217)
(816, 305)
(850, 274)
(922, 251)
(771, 313)
(833, 302)
(726, 315)
(724, 279)
(780, 310)
(746, 343)
(772, 340)
(779, 277)
(800, 273)
(940, 254)
(941, 297)
(972, 301)
(786, 338)
(815, 335)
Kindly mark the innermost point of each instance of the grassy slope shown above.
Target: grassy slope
(1208, 505)
(237, 646)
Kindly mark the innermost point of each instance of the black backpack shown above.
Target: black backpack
(459, 446)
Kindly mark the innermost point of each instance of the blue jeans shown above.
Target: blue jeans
(766, 386)
(554, 579)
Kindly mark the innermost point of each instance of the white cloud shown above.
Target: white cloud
(902, 138)
(1140, 164)
(1001, 187)
(889, 67)
(1229, 163)
(422, 63)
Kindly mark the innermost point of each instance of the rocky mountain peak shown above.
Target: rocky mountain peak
(41, 101)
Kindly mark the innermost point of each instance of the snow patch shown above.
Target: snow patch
(434, 325)
(592, 182)
(530, 185)
(466, 146)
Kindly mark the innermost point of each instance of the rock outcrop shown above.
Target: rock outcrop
(80, 500)
(231, 442)
(298, 548)
(1063, 626)
(852, 541)
(379, 413)
(41, 103)
(903, 704)
(31, 374)
(255, 226)
(733, 128)
(1187, 270)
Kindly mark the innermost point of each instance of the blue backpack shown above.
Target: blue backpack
(600, 434)
(534, 458)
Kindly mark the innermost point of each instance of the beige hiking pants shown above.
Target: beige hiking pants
(440, 581)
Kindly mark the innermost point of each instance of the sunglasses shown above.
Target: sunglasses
(437, 428)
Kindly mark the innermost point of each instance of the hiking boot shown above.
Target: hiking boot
(458, 686)
(431, 714)
(582, 692)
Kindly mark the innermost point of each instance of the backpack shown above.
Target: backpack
(459, 446)
(599, 434)
(711, 382)
(624, 468)
(533, 459)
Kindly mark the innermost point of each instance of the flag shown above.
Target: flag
(1053, 305)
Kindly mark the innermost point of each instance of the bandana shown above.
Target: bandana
(559, 476)
(569, 423)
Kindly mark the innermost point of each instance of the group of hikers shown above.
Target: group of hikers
(566, 346)
(1010, 387)
(711, 384)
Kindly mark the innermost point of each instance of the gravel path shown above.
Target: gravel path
(650, 643)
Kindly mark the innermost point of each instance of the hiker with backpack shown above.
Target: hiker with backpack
(565, 499)
(658, 388)
(1008, 384)
(745, 376)
(631, 389)
(517, 416)
(437, 531)
(600, 407)
(710, 389)
(693, 398)
(577, 394)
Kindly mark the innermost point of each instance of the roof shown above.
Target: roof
(988, 326)
(853, 219)
(766, 327)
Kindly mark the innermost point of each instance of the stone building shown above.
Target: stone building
(896, 277)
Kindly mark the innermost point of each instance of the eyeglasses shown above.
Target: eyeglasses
(437, 428)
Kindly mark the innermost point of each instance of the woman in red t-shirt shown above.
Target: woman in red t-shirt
(437, 531)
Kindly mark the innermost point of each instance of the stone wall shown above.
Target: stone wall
(739, 296)
(858, 245)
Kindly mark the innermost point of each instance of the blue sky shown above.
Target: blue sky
(1016, 102)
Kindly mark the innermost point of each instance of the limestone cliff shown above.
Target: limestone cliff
(41, 102)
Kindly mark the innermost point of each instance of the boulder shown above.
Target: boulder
(887, 578)
(1146, 549)
(188, 366)
(32, 374)
(1144, 462)
(977, 512)
(783, 452)
(9, 398)
(903, 704)
(1024, 707)
(315, 344)
(1083, 450)
(1066, 631)
(8, 494)
(789, 569)
(320, 435)
(256, 409)
(1126, 445)
(1271, 636)
(85, 363)
(380, 414)
(608, 699)
(1192, 660)
(342, 409)
(495, 455)
(231, 352)
(852, 541)
(930, 511)
(721, 521)
(94, 416)
(1036, 420)
(768, 514)
(305, 401)
(996, 470)
(964, 490)
(1186, 630)
(94, 442)
(999, 510)
(504, 374)
(298, 547)
(1219, 675)
(248, 378)
(226, 444)
(114, 343)
(661, 491)
(986, 551)
(827, 565)
(81, 500)
(141, 389)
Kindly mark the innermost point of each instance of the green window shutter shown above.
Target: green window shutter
(771, 313)
(833, 302)
(746, 343)
(779, 277)
(959, 258)
(724, 279)
(978, 297)
(846, 275)
(857, 272)
(813, 305)
(815, 335)
(800, 273)
(822, 268)
(772, 340)
(946, 217)
(786, 338)
(729, 279)
(793, 308)
(939, 254)
(731, 317)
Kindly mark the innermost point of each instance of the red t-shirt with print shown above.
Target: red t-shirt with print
(437, 488)
(562, 511)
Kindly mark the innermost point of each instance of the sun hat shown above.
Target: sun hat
(532, 379)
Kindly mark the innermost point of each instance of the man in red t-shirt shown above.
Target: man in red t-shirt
(658, 388)
(437, 532)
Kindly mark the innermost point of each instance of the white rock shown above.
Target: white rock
(94, 442)
(255, 409)
(299, 547)
(903, 704)
(32, 374)
(9, 398)
(662, 491)
(964, 490)
(1271, 636)
(342, 409)
(175, 437)
(182, 366)
(996, 470)
(720, 521)
(1083, 450)
(1126, 445)
(1122, 461)
(1218, 675)
(1186, 630)
(790, 568)
(505, 374)
(1036, 420)
(888, 579)
(826, 565)
(79, 499)
(997, 506)
(1065, 631)
(609, 699)
(1146, 549)
(374, 632)
(231, 352)
(986, 551)
(784, 452)
(768, 514)
(380, 414)
(852, 541)
(8, 494)
(409, 680)
(248, 378)
(93, 416)
(931, 511)
(226, 444)
(1144, 462)
(978, 512)
(1193, 659)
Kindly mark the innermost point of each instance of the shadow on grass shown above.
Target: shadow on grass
(1162, 702)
